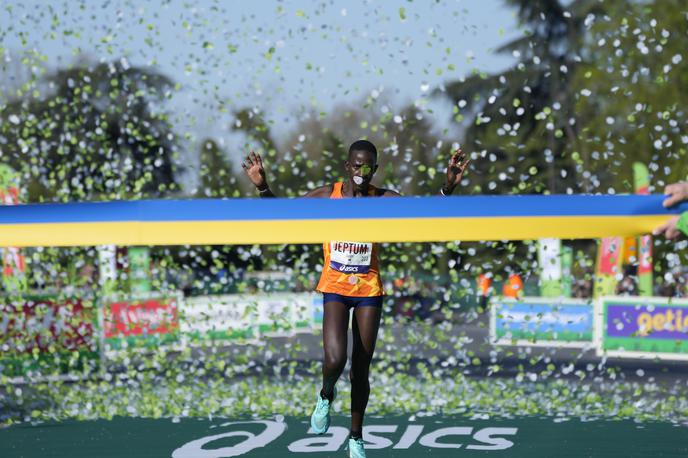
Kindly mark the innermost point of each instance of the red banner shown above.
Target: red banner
(46, 324)
(137, 318)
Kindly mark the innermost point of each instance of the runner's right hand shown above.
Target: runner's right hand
(253, 166)
(677, 192)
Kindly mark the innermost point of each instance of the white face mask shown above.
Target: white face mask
(358, 180)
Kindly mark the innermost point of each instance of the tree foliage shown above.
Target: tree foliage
(91, 132)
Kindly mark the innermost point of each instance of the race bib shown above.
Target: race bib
(351, 257)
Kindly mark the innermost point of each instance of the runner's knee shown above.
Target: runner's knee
(359, 374)
(335, 361)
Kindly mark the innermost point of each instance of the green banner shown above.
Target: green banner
(549, 262)
(139, 269)
(206, 319)
(643, 327)
(566, 274)
(237, 317)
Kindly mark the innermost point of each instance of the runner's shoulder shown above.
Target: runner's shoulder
(382, 192)
(321, 191)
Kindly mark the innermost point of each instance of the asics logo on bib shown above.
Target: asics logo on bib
(349, 268)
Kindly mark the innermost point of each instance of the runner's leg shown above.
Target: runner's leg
(365, 324)
(335, 327)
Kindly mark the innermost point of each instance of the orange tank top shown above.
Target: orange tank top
(350, 268)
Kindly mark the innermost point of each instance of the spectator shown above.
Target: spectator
(513, 287)
(676, 193)
(484, 284)
(628, 285)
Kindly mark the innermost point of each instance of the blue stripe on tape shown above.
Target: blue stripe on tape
(327, 209)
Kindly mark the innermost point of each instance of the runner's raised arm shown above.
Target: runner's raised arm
(456, 167)
(253, 166)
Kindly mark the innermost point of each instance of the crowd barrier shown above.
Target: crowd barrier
(51, 336)
(615, 326)
(44, 334)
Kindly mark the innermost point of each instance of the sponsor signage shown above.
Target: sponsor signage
(608, 266)
(306, 305)
(317, 309)
(260, 434)
(549, 262)
(229, 317)
(141, 322)
(139, 269)
(13, 263)
(237, 317)
(534, 321)
(275, 314)
(283, 314)
(642, 327)
(411, 436)
(34, 330)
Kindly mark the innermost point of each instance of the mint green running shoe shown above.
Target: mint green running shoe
(356, 449)
(320, 419)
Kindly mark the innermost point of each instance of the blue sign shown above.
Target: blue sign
(541, 321)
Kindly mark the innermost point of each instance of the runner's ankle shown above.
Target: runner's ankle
(325, 396)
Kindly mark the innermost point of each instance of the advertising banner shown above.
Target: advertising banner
(641, 178)
(549, 262)
(283, 314)
(202, 320)
(13, 262)
(608, 266)
(230, 317)
(536, 321)
(317, 310)
(139, 269)
(642, 327)
(276, 314)
(107, 268)
(308, 307)
(237, 317)
(145, 322)
(436, 436)
(47, 335)
(566, 274)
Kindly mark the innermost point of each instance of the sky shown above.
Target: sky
(284, 58)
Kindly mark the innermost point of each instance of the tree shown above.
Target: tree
(525, 117)
(632, 103)
(631, 98)
(93, 131)
(216, 177)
